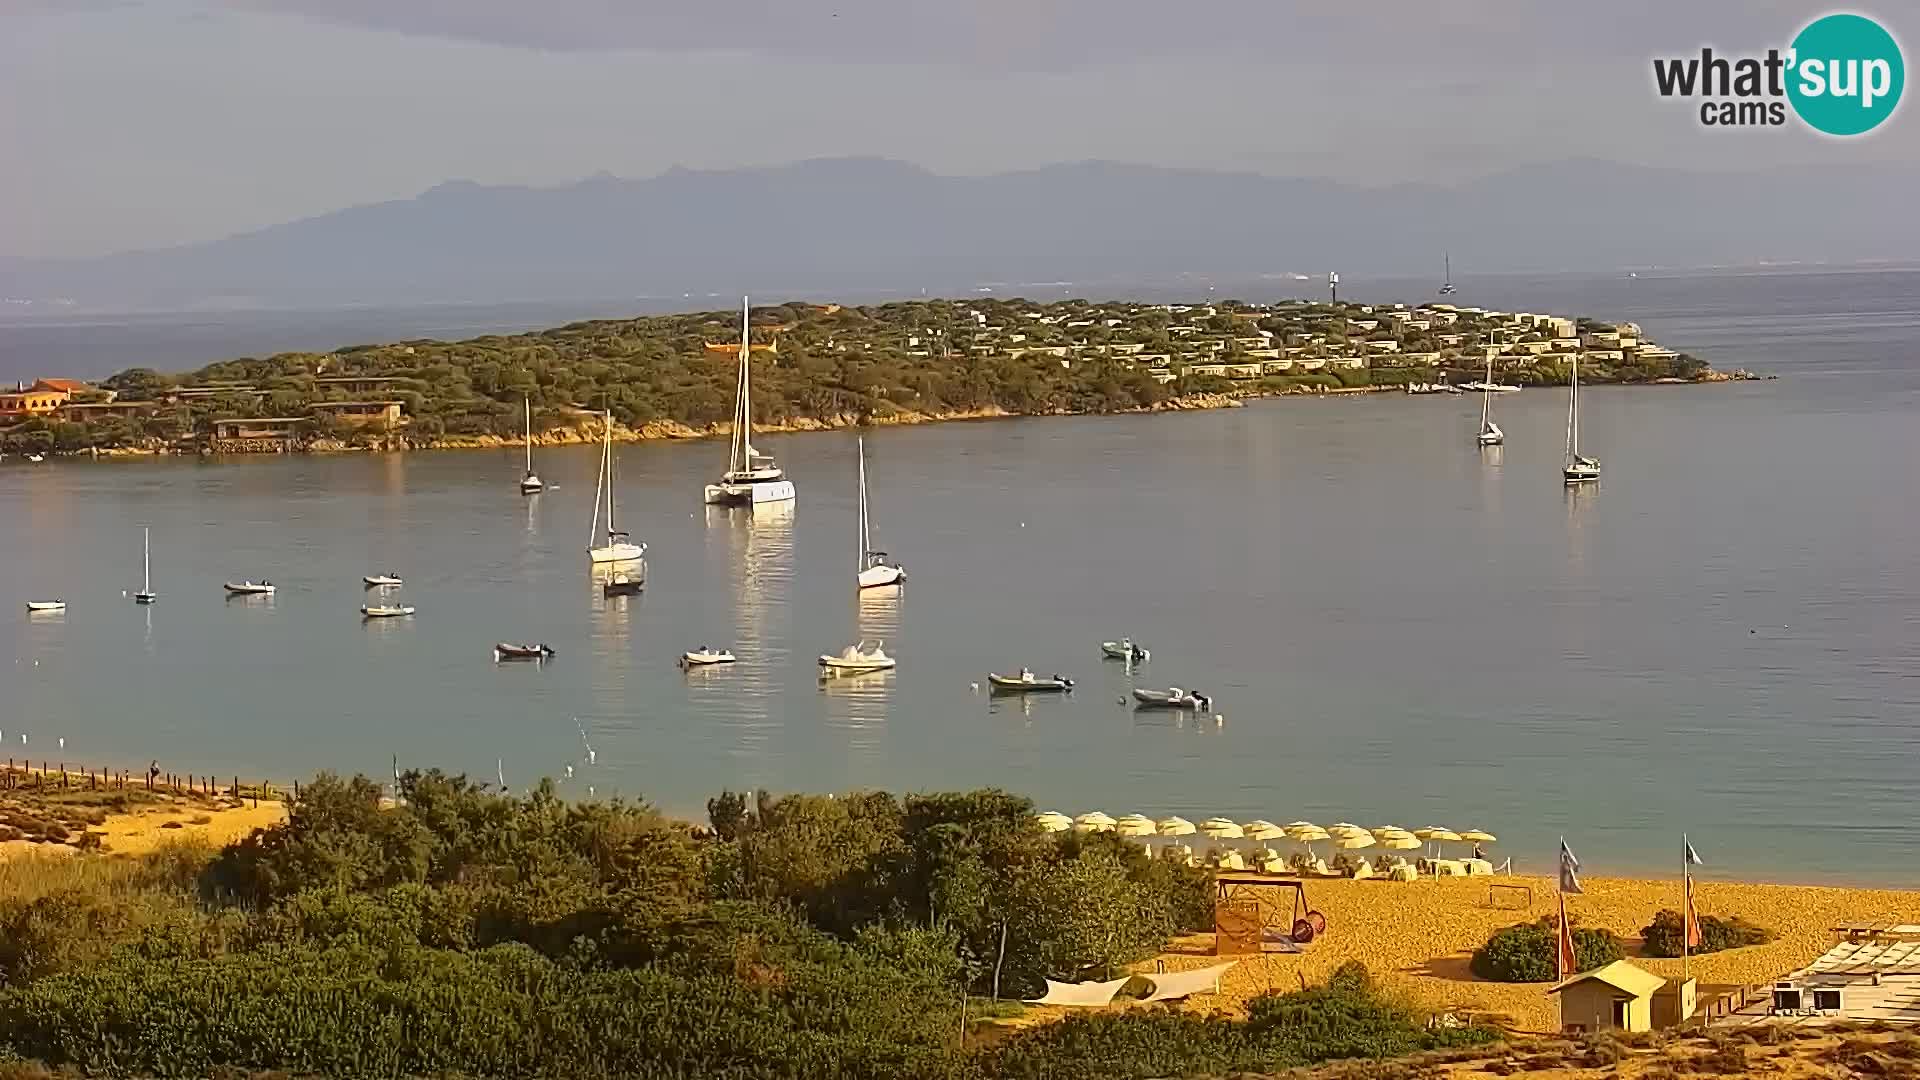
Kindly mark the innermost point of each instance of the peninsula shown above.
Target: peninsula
(820, 366)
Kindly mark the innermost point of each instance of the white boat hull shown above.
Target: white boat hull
(835, 664)
(877, 577)
(697, 659)
(46, 605)
(532, 486)
(386, 612)
(615, 553)
(772, 491)
(1580, 476)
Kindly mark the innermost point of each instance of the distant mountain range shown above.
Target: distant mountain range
(866, 223)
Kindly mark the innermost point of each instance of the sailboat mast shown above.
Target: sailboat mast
(1573, 410)
(146, 558)
(600, 478)
(528, 402)
(609, 453)
(865, 543)
(743, 402)
(1486, 394)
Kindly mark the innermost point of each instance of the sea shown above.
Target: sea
(1721, 638)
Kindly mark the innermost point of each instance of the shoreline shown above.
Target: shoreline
(676, 431)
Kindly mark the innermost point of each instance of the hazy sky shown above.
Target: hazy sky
(133, 123)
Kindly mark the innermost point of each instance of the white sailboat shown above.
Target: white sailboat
(531, 483)
(1578, 469)
(1490, 433)
(752, 478)
(145, 595)
(1446, 286)
(875, 570)
(619, 547)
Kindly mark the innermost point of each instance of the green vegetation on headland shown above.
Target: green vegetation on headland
(833, 366)
(464, 932)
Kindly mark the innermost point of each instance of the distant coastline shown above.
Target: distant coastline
(821, 367)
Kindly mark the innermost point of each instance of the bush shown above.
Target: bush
(1662, 936)
(1526, 952)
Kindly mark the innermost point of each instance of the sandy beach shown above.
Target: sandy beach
(140, 828)
(1416, 937)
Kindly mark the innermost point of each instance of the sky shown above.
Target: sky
(129, 124)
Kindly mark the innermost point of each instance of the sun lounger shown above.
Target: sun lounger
(1269, 861)
(1402, 872)
(1448, 868)
(1362, 870)
(1476, 866)
(1178, 853)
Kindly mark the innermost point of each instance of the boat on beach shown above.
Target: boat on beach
(250, 588)
(1171, 698)
(752, 478)
(388, 580)
(705, 657)
(385, 611)
(1124, 649)
(41, 607)
(1026, 682)
(859, 657)
(510, 651)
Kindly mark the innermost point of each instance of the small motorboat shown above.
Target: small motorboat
(705, 657)
(1028, 683)
(623, 584)
(386, 611)
(36, 458)
(1171, 698)
(1124, 649)
(250, 588)
(862, 656)
(388, 580)
(509, 651)
(39, 606)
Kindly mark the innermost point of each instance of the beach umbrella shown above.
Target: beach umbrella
(1479, 836)
(1053, 821)
(1093, 821)
(1341, 830)
(1135, 825)
(1339, 826)
(1292, 825)
(1402, 842)
(1176, 826)
(1309, 836)
(1353, 842)
(1262, 829)
(1221, 829)
(1385, 831)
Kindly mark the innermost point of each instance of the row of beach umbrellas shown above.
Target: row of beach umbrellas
(1342, 834)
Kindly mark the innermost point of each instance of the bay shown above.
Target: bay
(1723, 637)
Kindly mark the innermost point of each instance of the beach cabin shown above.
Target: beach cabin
(1616, 997)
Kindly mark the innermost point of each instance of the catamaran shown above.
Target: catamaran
(875, 570)
(1578, 469)
(1447, 287)
(1490, 433)
(145, 595)
(751, 478)
(530, 484)
(619, 547)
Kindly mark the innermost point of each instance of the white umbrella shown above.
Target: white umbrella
(1347, 830)
(1053, 821)
(1292, 825)
(1135, 825)
(1176, 826)
(1221, 829)
(1093, 821)
(1385, 831)
(1403, 842)
(1262, 829)
(1353, 842)
(1309, 837)
(1479, 836)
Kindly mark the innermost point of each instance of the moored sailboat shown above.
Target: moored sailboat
(530, 484)
(1490, 433)
(1578, 469)
(619, 547)
(752, 478)
(145, 595)
(875, 570)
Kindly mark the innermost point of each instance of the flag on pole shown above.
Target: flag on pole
(1569, 871)
(1691, 859)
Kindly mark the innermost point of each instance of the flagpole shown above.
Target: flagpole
(1686, 919)
(1559, 934)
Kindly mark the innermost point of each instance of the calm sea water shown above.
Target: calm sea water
(1723, 637)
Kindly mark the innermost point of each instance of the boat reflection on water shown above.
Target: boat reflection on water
(858, 704)
(758, 562)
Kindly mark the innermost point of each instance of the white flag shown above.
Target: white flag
(1693, 857)
(1569, 867)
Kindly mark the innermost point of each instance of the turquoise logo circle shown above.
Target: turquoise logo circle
(1846, 76)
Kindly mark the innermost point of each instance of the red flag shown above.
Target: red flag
(1569, 960)
(1693, 918)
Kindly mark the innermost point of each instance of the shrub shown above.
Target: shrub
(1526, 952)
(1662, 936)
